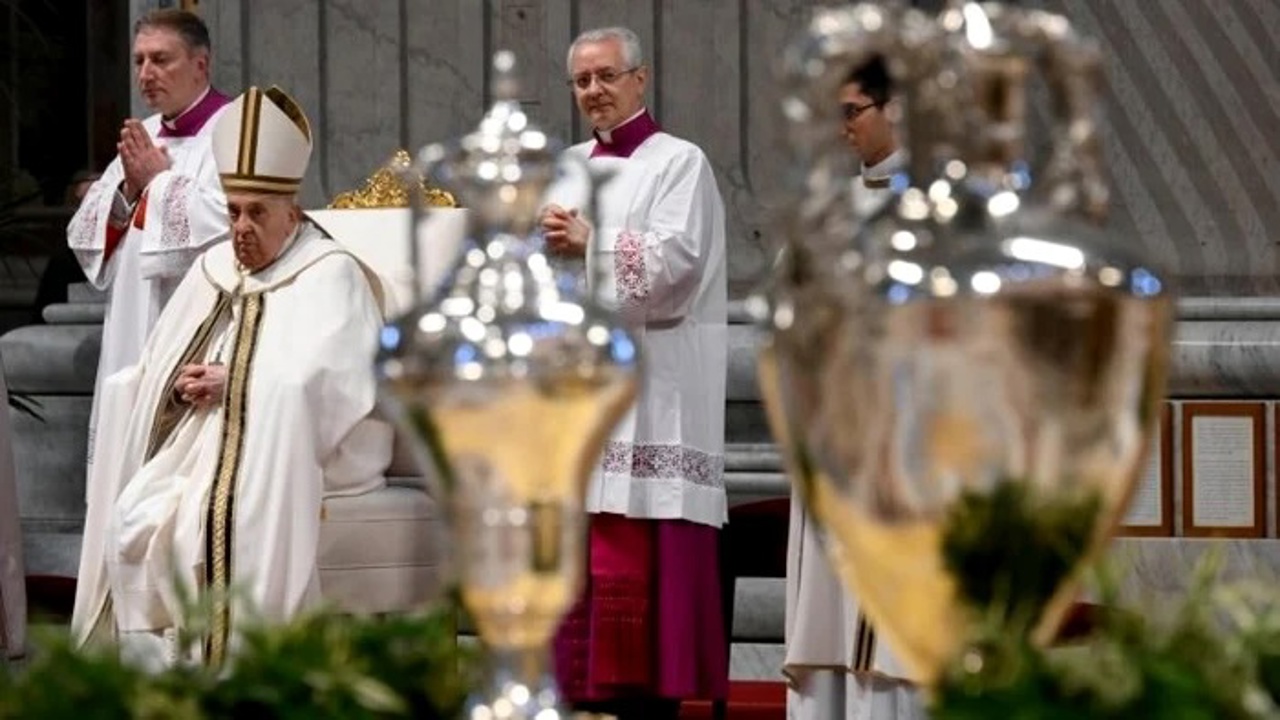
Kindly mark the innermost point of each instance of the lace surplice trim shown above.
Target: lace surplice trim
(84, 230)
(176, 232)
(652, 461)
(630, 271)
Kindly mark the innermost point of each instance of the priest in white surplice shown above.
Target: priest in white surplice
(250, 404)
(648, 632)
(836, 665)
(159, 203)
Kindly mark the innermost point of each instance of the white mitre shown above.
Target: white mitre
(262, 143)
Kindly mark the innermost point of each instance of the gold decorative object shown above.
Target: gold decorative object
(970, 378)
(511, 383)
(386, 188)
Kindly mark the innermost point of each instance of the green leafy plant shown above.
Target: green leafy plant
(322, 665)
(1010, 551)
(1216, 658)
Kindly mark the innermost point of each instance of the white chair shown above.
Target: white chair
(380, 552)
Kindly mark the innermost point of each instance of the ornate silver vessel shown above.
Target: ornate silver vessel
(970, 378)
(511, 384)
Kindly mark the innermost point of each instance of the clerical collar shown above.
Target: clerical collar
(189, 121)
(879, 175)
(623, 139)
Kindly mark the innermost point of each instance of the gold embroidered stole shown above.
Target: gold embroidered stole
(220, 507)
(864, 649)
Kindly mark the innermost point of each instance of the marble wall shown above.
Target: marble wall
(1192, 107)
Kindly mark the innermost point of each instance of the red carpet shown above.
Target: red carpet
(748, 700)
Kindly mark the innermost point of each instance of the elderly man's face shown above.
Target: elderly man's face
(170, 74)
(260, 225)
(606, 89)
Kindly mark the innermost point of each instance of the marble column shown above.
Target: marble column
(13, 593)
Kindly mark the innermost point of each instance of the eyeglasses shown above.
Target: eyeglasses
(852, 111)
(604, 77)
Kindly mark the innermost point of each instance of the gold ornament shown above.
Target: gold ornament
(387, 189)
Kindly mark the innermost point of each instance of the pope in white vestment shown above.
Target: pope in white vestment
(836, 665)
(137, 242)
(251, 403)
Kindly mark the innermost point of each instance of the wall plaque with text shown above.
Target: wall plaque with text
(1150, 511)
(1224, 469)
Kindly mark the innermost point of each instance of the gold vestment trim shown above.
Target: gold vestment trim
(290, 108)
(865, 648)
(220, 513)
(249, 131)
(247, 183)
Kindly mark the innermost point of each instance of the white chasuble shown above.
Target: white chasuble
(228, 499)
(836, 665)
(657, 256)
(182, 212)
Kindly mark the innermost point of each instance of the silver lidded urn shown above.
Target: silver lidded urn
(966, 384)
(511, 385)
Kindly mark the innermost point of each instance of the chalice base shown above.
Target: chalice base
(519, 686)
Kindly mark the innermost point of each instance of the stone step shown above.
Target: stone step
(746, 457)
(51, 359)
(18, 295)
(49, 458)
(749, 486)
(51, 553)
(1189, 308)
(75, 313)
(1211, 358)
(85, 293)
(1157, 569)
(21, 270)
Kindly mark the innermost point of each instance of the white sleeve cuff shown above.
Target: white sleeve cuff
(121, 209)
